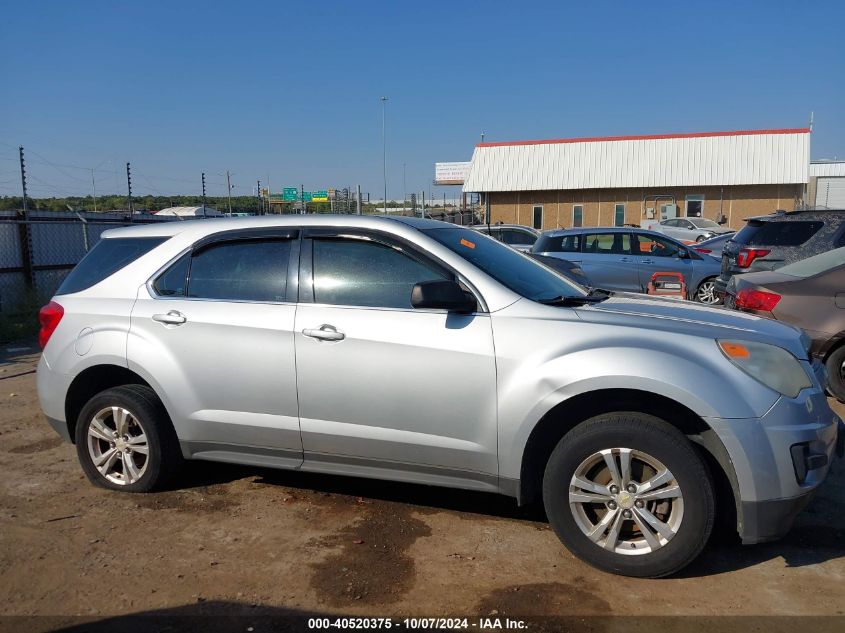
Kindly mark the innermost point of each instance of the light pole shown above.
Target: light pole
(404, 188)
(384, 146)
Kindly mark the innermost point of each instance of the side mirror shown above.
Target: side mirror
(443, 295)
(683, 254)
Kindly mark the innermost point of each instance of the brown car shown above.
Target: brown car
(809, 294)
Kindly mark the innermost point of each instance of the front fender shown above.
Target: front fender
(704, 382)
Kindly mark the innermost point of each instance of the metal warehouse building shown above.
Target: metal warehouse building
(633, 179)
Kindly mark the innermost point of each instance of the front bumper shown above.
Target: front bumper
(767, 455)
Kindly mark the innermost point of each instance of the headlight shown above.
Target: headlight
(771, 365)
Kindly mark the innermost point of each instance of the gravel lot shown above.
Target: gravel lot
(229, 539)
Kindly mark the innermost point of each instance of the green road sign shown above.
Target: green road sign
(320, 196)
(290, 194)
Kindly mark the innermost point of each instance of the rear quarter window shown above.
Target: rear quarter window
(107, 257)
(558, 244)
(787, 233)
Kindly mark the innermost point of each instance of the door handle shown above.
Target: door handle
(624, 259)
(324, 333)
(174, 317)
(646, 261)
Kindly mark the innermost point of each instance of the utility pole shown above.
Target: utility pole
(203, 194)
(359, 205)
(25, 232)
(404, 187)
(23, 183)
(302, 209)
(229, 189)
(94, 189)
(422, 209)
(384, 146)
(129, 189)
(260, 199)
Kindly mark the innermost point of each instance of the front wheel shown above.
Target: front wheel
(706, 293)
(627, 493)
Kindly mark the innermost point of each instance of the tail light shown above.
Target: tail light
(49, 317)
(748, 299)
(748, 255)
(703, 250)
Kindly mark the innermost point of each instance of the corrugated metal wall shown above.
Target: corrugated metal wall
(742, 159)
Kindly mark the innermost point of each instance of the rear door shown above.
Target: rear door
(217, 327)
(608, 262)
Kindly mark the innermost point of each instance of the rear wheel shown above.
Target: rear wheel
(835, 365)
(627, 493)
(124, 440)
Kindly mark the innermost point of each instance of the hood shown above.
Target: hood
(722, 230)
(686, 317)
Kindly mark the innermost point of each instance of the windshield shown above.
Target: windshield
(512, 269)
(816, 264)
(703, 224)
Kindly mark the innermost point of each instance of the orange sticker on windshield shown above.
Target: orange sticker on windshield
(467, 243)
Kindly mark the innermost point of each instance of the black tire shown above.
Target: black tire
(656, 438)
(695, 296)
(700, 238)
(835, 379)
(164, 456)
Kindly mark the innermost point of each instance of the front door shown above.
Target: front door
(217, 326)
(658, 255)
(385, 388)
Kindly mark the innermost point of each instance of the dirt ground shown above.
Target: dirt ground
(227, 539)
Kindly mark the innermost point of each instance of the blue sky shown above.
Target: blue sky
(290, 90)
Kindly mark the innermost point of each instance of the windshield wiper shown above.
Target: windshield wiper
(596, 295)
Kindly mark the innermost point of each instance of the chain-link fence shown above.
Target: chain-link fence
(37, 252)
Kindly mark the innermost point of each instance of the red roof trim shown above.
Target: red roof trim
(647, 137)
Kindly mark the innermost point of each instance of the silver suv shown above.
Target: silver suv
(419, 351)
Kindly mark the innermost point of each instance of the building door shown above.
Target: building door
(695, 206)
(538, 217)
(619, 215)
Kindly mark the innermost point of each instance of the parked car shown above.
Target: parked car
(624, 259)
(770, 241)
(564, 267)
(517, 236)
(691, 229)
(418, 351)
(809, 294)
(714, 245)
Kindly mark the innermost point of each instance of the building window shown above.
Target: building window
(695, 206)
(619, 218)
(538, 217)
(577, 215)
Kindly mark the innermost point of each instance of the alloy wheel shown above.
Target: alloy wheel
(626, 501)
(117, 445)
(706, 293)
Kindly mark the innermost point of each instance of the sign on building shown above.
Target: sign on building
(450, 173)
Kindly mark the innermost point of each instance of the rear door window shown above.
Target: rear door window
(245, 270)
(607, 243)
(788, 233)
(107, 257)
